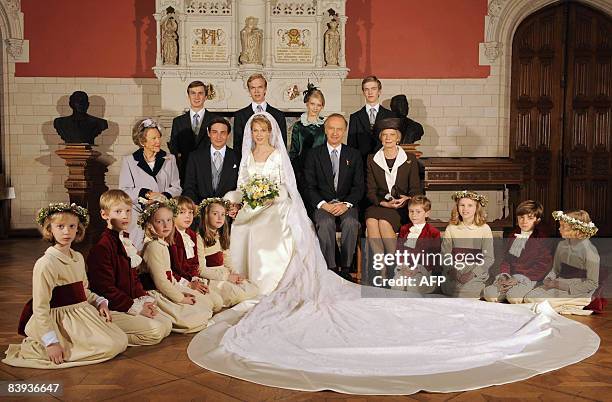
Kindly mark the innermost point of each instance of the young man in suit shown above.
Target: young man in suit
(361, 134)
(212, 170)
(334, 186)
(189, 129)
(257, 85)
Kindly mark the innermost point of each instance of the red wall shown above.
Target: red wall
(415, 38)
(89, 38)
(389, 38)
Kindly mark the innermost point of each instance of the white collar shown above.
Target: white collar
(305, 122)
(330, 149)
(390, 176)
(375, 107)
(419, 226)
(523, 234)
(213, 149)
(264, 106)
(199, 113)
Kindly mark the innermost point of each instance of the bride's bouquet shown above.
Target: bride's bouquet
(258, 191)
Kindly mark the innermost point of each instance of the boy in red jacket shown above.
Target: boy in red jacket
(528, 258)
(112, 264)
(418, 238)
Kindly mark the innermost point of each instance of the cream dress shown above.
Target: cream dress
(217, 275)
(85, 336)
(168, 292)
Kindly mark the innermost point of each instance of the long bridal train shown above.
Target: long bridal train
(315, 331)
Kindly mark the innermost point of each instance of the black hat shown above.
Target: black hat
(391, 122)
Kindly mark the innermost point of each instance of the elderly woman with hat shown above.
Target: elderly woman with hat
(149, 174)
(392, 178)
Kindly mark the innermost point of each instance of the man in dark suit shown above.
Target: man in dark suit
(257, 85)
(361, 134)
(334, 186)
(189, 129)
(212, 170)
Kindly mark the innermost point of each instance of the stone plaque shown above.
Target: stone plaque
(294, 45)
(209, 45)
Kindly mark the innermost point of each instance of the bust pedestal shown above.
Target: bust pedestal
(85, 184)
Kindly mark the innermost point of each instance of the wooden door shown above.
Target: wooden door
(560, 127)
(587, 134)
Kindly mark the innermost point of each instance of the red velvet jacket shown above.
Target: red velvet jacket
(181, 266)
(110, 274)
(535, 260)
(432, 245)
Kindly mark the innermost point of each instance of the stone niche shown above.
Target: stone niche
(223, 42)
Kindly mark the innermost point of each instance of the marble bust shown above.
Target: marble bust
(79, 127)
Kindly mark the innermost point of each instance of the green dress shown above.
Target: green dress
(304, 136)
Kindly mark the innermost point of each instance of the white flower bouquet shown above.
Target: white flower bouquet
(258, 191)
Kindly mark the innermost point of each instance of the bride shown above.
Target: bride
(313, 330)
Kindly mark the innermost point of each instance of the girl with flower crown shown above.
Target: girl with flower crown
(467, 247)
(184, 252)
(188, 309)
(149, 174)
(65, 324)
(575, 272)
(213, 243)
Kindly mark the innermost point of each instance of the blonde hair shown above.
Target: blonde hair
(185, 202)
(257, 76)
(113, 197)
(480, 216)
(139, 131)
(150, 231)
(315, 93)
(581, 215)
(47, 234)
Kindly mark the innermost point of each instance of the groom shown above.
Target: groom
(333, 174)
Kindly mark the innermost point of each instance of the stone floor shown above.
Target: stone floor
(164, 372)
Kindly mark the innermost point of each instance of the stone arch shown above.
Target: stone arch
(502, 20)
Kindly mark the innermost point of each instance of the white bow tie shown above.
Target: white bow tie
(130, 250)
(516, 249)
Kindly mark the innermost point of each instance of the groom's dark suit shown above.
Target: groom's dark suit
(243, 115)
(319, 180)
(198, 179)
(183, 141)
(361, 135)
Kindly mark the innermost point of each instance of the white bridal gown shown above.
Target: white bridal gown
(315, 331)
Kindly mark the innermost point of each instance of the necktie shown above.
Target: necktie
(194, 123)
(372, 116)
(335, 166)
(259, 109)
(217, 170)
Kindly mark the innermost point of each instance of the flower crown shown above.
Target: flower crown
(57, 207)
(479, 198)
(153, 207)
(214, 200)
(587, 228)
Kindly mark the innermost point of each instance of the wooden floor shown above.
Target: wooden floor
(165, 373)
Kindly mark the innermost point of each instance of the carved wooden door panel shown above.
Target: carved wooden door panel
(537, 105)
(587, 173)
(561, 109)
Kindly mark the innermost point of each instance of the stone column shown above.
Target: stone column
(268, 36)
(342, 55)
(319, 58)
(85, 184)
(182, 41)
(235, 36)
(158, 55)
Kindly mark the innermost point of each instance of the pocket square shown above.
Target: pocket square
(234, 166)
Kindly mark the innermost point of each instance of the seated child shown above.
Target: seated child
(418, 237)
(112, 269)
(213, 253)
(184, 253)
(528, 257)
(469, 240)
(65, 324)
(188, 309)
(575, 269)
